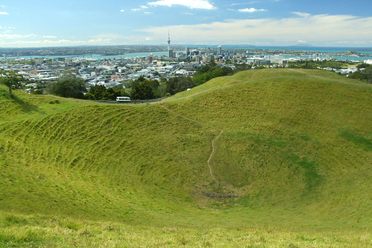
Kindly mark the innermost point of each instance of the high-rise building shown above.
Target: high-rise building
(169, 42)
(219, 50)
(170, 51)
(150, 58)
(188, 53)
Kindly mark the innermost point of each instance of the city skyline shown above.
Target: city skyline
(37, 23)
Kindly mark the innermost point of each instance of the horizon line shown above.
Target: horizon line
(182, 44)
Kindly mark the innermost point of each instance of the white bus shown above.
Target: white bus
(123, 99)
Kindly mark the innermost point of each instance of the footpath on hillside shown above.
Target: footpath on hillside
(209, 162)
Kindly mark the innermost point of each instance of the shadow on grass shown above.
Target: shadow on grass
(357, 139)
(26, 107)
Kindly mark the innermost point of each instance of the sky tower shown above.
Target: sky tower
(170, 51)
(169, 41)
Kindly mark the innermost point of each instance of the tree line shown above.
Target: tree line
(140, 89)
(11, 80)
(364, 73)
(312, 64)
(145, 89)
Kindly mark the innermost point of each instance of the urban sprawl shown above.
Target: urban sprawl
(116, 71)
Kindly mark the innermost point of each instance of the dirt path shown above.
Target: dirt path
(212, 154)
(214, 141)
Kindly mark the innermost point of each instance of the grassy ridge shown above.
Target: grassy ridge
(38, 231)
(294, 154)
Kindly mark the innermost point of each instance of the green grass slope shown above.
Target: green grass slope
(264, 158)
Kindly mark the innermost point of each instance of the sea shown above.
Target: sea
(91, 56)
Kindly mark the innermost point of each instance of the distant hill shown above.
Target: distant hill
(282, 154)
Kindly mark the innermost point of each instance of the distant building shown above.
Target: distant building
(198, 59)
(150, 59)
(220, 50)
(260, 61)
(170, 51)
(188, 53)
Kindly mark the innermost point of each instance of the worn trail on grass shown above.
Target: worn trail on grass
(214, 141)
(209, 162)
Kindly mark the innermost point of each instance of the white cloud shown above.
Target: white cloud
(50, 37)
(301, 14)
(321, 30)
(330, 30)
(35, 40)
(3, 13)
(192, 4)
(122, 10)
(140, 8)
(6, 29)
(251, 10)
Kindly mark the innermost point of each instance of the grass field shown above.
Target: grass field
(265, 158)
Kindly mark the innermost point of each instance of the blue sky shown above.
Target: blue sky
(33, 23)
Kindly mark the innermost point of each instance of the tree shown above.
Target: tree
(100, 92)
(97, 92)
(365, 74)
(209, 72)
(368, 73)
(143, 89)
(242, 67)
(68, 86)
(363, 66)
(10, 80)
(175, 85)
